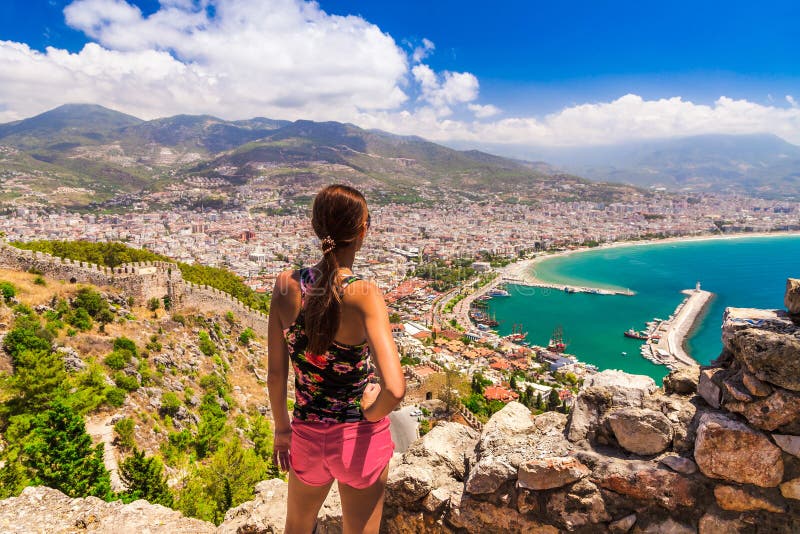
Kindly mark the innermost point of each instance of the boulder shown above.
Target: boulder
(641, 431)
(447, 446)
(729, 450)
(480, 516)
(602, 392)
(745, 500)
(266, 513)
(708, 388)
(41, 509)
(577, 506)
(781, 408)
(712, 523)
(645, 482)
(756, 387)
(72, 360)
(511, 437)
(790, 444)
(665, 526)
(791, 299)
(408, 483)
(679, 464)
(550, 473)
(623, 524)
(682, 381)
(767, 347)
(791, 489)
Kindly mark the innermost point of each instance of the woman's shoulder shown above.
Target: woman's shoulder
(361, 289)
(287, 282)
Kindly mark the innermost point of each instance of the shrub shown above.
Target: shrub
(124, 431)
(90, 300)
(123, 343)
(170, 403)
(144, 478)
(80, 319)
(117, 359)
(205, 344)
(180, 319)
(39, 281)
(246, 335)
(126, 382)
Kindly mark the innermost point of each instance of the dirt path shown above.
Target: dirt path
(102, 431)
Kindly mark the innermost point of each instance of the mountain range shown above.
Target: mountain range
(80, 154)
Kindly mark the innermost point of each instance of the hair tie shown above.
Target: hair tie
(328, 244)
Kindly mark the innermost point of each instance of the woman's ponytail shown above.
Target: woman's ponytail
(338, 217)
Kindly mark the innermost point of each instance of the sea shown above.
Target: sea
(748, 272)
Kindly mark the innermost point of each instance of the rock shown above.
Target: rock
(712, 523)
(742, 500)
(641, 431)
(790, 444)
(72, 360)
(447, 445)
(667, 526)
(755, 386)
(791, 489)
(438, 497)
(623, 524)
(577, 506)
(266, 513)
(730, 450)
(511, 437)
(736, 392)
(708, 389)
(791, 299)
(409, 483)
(481, 516)
(679, 464)
(549, 473)
(781, 408)
(602, 392)
(683, 380)
(41, 509)
(642, 481)
(769, 351)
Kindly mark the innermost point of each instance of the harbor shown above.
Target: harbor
(665, 338)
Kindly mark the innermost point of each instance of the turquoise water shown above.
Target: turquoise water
(741, 272)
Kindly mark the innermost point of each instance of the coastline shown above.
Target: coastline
(521, 270)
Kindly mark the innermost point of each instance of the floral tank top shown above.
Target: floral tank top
(328, 387)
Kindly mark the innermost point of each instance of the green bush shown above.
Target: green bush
(246, 336)
(170, 403)
(124, 430)
(80, 319)
(205, 344)
(8, 291)
(144, 479)
(123, 343)
(115, 397)
(117, 359)
(126, 382)
(39, 281)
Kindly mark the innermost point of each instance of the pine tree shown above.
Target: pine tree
(61, 454)
(513, 382)
(144, 478)
(553, 400)
(539, 402)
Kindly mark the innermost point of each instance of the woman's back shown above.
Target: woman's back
(328, 386)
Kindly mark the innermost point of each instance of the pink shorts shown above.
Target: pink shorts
(352, 453)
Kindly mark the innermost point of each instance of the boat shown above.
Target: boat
(631, 333)
(516, 335)
(568, 289)
(498, 293)
(557, 341)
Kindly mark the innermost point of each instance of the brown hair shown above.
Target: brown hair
(338, 217)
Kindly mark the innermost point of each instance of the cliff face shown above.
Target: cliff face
(716, 450)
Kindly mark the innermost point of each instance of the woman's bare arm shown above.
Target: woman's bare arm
(278, 368)
(372, 306)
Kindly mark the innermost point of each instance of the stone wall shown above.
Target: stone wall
(140, 280)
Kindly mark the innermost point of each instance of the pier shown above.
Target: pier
(669, 350)
(568, 288)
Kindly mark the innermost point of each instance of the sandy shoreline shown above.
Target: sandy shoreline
(521, 270)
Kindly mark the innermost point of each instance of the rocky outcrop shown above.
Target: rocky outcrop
(792, 297)
(40, 509)
(717, 450)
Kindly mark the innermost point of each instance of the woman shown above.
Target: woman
(334, 328)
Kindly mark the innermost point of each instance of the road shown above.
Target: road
(404, 428)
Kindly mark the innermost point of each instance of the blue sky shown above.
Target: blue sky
(507, 72)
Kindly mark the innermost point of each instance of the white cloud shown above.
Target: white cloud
(627, 118)
(289, 59)
(445, 90)
(483, 112)
(282, 58)
(422, 51)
